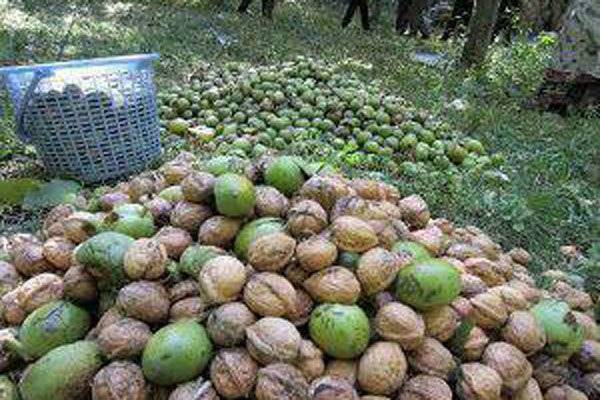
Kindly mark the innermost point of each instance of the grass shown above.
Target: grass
(551, 188)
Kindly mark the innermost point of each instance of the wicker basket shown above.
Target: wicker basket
(92, 120)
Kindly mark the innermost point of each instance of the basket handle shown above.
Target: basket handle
(39, 74)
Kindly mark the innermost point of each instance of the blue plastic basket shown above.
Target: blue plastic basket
(92, 120)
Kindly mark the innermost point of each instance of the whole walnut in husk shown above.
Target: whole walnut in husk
(175, 240)
(29, 260)
(144, 300)
(271, 252)
(382, 368)
(377, 269)
(425, 387)
(345, 369)
(432, 358)
(188, 308)
(414, 211)
(399, 323)
(270, 202)
(306, 218)
(145, 259)
(316, 253)
(281, 382)
(374, 190)
(226, 325)
(489, 311)
(273, 340)
(125, 338)
(219, 231)
(119, 380)
(587, 358)
(523, 331)
(473, 347)
(310, 360)
(270, 295)
(332, 388)
(189, 216)
(222, 279)
(510, 363)
(531, 391)
(9, 277)
(353, 234)
(196, 390)
(233, 373)
(80, 285)
(441, 322)
(302, 308)
(326, 189)
(32, 294)
(564, 392)
(58, 251)
(198, 187)
(478, 382)
(333, 285)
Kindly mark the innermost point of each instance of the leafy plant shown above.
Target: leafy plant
(55, 192)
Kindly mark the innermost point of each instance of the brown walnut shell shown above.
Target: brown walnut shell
(219, 231)
(271, 252)
(431, 237)
(432, 358)
(58, 251)
(592, 385)
(353, 234)
(399, 323)
(119, 380)
(32, 294)
(365, 209)
(377, 269)
(188, 308)
(9, 278)
(548, 371)
(489, 311)
(475, 344)
(472, 285)
(183, 289)
(189, 216)
(281, 382)
(79, 226)
(295, 273)
(326, 190)
(478, 382)
(226, 325)
(160, 209)
(108, 201)
(316, 253)
(175, 240)
(520, 256)
(302, 308)
(29, 260)
(575, 298)
(588, 357)
(332, 388)
(270, 202)
(531, 391)
(414, 211)
(590, 328)
(388, 231)
(270, 295)
(441, 322)
(382, 368)
(198, 187)
(486, 270)
(310, 360)
(125, 338)
(425, 387)
(233, 373)
(346, 369)
(144, 300)
(510, 363)
(145, 259)
(272, 340)
(80, 285)
(53, 222)
(222, 279)
(333, 285)
(564, 392)
(375, 190)
(176, 170)
(306, 218)
(196, 390)
(512, 298)
(524, 332)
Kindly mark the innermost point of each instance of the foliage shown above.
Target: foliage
(52, 193)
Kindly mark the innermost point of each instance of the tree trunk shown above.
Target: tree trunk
(481, 28)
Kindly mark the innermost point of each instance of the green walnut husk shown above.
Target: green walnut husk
(8, 390)
(234, 195)
(132, 220)
(428, 283)
(194, 257)
(564, 334)
(341, 331)
(285, 175)
(411, 249)
(52, 325)
(176, 353)
(252, 231)
(102, 255)
(64, 373)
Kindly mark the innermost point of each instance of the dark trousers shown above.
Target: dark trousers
(364, 13)
(267, 7)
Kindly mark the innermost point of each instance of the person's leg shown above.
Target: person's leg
(267, 8)
(349, 13)
(244, 6)
(364, 14)
(401, 21)
(461, 13)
